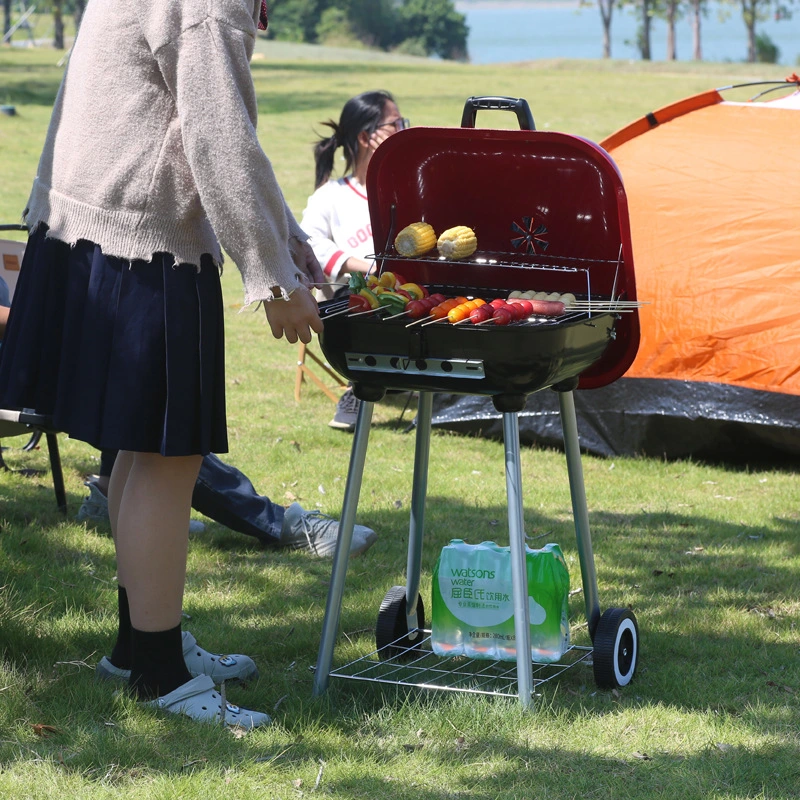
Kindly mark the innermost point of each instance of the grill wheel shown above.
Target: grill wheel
(616, 648)
(392, 637)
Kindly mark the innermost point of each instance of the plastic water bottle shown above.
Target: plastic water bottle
(446, 628)
(473, 606)
(548, 603)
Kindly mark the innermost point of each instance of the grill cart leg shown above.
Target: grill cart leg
(352, 489)
(569, 426)
(416, 528)
(519, 569)
(401, 619)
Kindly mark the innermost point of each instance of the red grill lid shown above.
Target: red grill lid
(549, 209)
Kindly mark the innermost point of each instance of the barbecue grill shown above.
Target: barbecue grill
(550, 214)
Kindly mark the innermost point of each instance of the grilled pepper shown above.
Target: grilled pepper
(358, 303)
(414, 290)
(356, 282)
(370, 296)
(396, 303)
(387, 280)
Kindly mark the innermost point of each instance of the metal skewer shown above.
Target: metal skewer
(395, 316)
(345, 310)
(433, 321)
(370, 311)
(418, 321)
(620, 303)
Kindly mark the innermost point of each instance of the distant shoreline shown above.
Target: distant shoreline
(471, 5)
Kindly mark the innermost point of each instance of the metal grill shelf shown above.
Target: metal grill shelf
(502, 258)
(421, 668)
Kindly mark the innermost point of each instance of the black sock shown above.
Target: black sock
(121, 654)
(157, 664)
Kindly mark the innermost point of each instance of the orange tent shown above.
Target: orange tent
(714, 196)
(713, 188)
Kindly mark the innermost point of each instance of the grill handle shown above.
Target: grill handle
(516, 104)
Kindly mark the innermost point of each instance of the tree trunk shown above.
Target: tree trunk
(606, 9)
(749, 16)
(672, 13)
(78, 14)
(697, 49)
(644, 43)
(6, 16)
(58, 20)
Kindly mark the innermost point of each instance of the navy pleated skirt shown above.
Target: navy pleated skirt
(123, 355)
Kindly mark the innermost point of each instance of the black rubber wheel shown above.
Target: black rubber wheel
(616, 648)
(392, 637)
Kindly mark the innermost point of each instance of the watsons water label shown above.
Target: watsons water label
(473, 607)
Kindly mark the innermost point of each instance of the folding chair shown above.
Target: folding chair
(11, 257)
(20, 423)
(304, 371)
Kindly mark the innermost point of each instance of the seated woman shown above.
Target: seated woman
(336, 217)
(5, 302)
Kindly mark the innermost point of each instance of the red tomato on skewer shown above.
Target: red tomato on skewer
(527, 305)
(481, 314)
(516, 310)
(416, 309)
(501, 316)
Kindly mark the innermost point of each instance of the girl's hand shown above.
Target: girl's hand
(378, 135)
(295, 318)
(305, 260)
(354, 264)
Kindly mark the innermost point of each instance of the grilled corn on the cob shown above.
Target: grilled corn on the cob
(415, 239)
(458, 242)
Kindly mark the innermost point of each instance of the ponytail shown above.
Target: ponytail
(360, 113)
(324, 151)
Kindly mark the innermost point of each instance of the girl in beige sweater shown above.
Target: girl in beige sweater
(151, 167)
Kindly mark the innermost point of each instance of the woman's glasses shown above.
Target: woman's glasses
(398, 124)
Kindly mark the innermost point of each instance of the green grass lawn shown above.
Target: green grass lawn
(707, 556)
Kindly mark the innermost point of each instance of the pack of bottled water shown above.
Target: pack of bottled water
(473, 607)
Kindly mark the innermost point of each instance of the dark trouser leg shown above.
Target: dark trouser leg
(107, 459)
(227, 496)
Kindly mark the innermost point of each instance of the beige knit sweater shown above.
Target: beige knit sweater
(152, 146)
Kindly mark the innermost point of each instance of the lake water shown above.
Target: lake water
(515, 30)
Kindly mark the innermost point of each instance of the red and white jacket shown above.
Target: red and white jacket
(337, 221)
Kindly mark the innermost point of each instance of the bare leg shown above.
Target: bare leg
(150, 502)
(114, 488)
(152, 509)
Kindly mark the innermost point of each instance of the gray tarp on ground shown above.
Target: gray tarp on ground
(660, 418)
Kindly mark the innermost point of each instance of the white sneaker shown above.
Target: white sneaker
(95, 508)
(319, 533)
(198, 700)
(346, 415)
(233, 669)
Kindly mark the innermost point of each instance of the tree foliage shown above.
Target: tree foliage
(753, 12)
(427, 27)
(436, 23)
